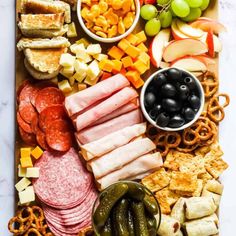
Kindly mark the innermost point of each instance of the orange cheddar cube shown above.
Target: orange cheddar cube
(132, 76)
(106, 65)
(133, 51)
(105, 75)
(142, 47)
(139, 83)
(127, 61)
(132, 39)
(140, 66)
(25, 152)
(116, 53)
(37, 152)
(26, 162)
(144, 57)
(141, 37)
(123, 44)
(117, 65)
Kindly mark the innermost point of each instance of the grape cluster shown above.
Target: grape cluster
(161, 15)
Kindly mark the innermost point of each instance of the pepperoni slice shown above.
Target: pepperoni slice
(25, 126)
(27, 137)
(34, 124)
(20, 88)
(41, 140)
(49, 114)
(27, 111)
(48, 97)
(59, 135)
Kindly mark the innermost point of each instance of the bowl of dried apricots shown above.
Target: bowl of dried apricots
(108, 21)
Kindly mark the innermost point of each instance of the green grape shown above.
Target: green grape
(166, 19)
(152, 27)
(205, 4)
(172, 12)
(194, 14)
(162, 2)
(180, 8)
(194, 3)
(148, 12)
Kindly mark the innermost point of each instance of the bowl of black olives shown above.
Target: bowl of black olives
(172, 99)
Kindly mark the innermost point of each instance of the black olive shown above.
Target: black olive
(174, 74)
(194, 101)
(162, 119)
(171, 105)
(153, 113)
(160, 79)
(168, 90)
(188, 113)
(183, 91)
(149, 99)
(176, 121)
(189, 81)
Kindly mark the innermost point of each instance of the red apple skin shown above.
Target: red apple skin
(150, 2)
(210, 43)
(206, 59)
(175, 36)
(141, 2)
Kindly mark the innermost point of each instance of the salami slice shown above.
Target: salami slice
(48, 97)
(41, 139)
(27, 111)
(27, 137)
(59, 135)
(25, 126)
(50, 114)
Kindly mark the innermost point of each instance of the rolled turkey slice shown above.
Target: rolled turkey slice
(112, 141)
(94, 133)
(134, 168)
(121, 156)
(106, 107)
(79, 101)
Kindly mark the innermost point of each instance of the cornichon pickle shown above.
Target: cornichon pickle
(107, 230)
(140, 222)
(135, 191)
(152, 225)
(131, 224)
(150, 204)
(107, 202)
(120, 217)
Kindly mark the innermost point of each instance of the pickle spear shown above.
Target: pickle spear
(107, 230)
(150, 205)
(152, 225)
(131, 224)
(135, 191)
(107, 202)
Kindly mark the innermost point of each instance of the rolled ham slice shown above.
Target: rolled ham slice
(112, 141)
(134, 168)
(79, 101)
(121, 156)
(96, 132)
(120, 111)
(106, 107)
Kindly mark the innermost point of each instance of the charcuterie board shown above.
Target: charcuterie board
(66, 125)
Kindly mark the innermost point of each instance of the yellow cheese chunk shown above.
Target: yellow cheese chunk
(78, 48)
(84, 41)
(93, 70)
(64, 74)
(140, 66)
(67, 60)
(71, 30)
(123, 44)
(127, 61)
(106, 65)
(25, 152)
(133, 51)
(80, 67)
(32, 172)
(133, 39)
(37, 152)
(26, 162)
(91, 81)
(100, 57)
(22, 184)
(94, 49)
(117, 65)
(82, 87)
(27, 195)
(79, 76)
(69, 70)
(21, 171)
(116, 53)
(64, 86)
(142, 47)
(144, 57)
(141, 37)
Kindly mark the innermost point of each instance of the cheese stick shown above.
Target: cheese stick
(112, 141)
(121, 156)
(134, 168)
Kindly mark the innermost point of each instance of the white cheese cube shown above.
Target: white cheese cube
(69, 70)
(27, 195)
(80, 67)
(67, 60)
(79, 76)
(64, 86)
(90, 81)
(71, 30)
(94, 49)
(22, 184)
(21, 171)
(93, 70)
(84, 57)
(100, 57)
(77, 48)
(32, 172)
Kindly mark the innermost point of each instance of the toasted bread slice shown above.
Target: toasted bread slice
(42, 21)
(44, 60)
(38, 43)
(45, 7)
(37, 74)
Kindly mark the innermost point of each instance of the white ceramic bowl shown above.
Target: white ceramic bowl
(201, 93)
(108, 40)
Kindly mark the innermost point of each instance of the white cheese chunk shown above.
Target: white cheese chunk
(84, 57)
(100, 57)
(27, 195)
(69, 70)
(21, 171)
(79, 76)
(80, 67)
(94, 49)
(67, 60)
(93, 70)
(65, 87)
(78, 48)
(32, 172)
(22, 184)
(71, 30)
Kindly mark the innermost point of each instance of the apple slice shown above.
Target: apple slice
(197, 73)
(190, 64)
(158, 45)
(183, 47)
(210, 44)
(164, 65)
(206, 59)
(176, 33)
(216, 41)
(189, 30)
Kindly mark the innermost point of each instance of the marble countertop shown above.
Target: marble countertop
(227, 15)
